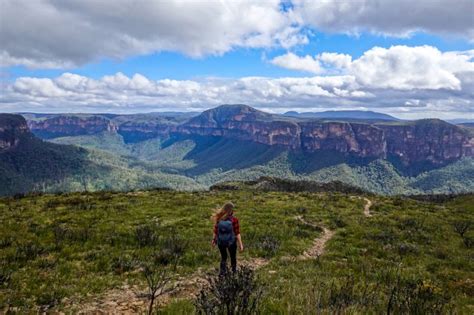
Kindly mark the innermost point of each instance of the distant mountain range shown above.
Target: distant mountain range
(343, 114)
(461, 121)
(234, 142)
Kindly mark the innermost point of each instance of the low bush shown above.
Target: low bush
(269, 245)
(232, 293)
(146, 235)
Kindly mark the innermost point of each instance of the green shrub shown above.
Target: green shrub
(232, 293)
(269, 245)
(146, 235)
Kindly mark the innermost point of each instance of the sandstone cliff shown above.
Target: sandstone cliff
(430, 140)
(433, 141)
(13, 128)
(73, 125)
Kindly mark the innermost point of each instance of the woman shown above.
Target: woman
(227, 236)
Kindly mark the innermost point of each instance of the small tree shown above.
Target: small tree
(157, 267)
(156, 279)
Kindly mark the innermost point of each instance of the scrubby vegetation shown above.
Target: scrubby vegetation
(231, 293)
(199, 162)
(58, 252)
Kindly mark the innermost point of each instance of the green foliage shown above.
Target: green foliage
(54, 247)
(232, 294)
(196, 162)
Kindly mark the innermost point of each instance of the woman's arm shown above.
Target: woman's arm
(214, 237)
(239, 242)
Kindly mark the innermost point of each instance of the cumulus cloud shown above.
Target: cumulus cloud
(62, 34)
(322, 63)
(397, 67)
(120, 93)
(294, 62)
(66, 34)
(402, 67)
(398, 18)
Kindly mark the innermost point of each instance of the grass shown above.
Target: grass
(71, 247)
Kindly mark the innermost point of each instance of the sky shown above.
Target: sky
(411, 59)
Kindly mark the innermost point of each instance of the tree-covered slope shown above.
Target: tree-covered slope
(29, 164)
(209, 160)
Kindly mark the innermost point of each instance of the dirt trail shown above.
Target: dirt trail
(368, 204)
(132, 299)
(319, 243)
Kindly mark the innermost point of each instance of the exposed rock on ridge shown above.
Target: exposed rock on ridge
(12, 129)
(63, 126)
(433, 141)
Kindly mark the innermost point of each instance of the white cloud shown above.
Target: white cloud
(319, 64)
(397, 67)
(336, 60)
(404, 68)
(398, 18)
(294, 62)
(62, 34)
(66, 34)
(120, 93)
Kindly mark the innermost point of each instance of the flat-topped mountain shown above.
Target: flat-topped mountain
(228, 143)
(433, 141)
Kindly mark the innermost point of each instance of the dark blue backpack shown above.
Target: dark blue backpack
(225, 233)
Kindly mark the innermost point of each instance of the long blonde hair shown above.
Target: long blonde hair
(223, 213)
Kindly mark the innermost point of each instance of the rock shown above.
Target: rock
(71, 125)
(428, 140)
(12, 129)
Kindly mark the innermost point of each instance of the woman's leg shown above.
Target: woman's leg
(233, 256)
(223, 251)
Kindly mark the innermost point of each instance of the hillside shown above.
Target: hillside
(29, 164)
(350, 253)
(431, 142)
(238, 142)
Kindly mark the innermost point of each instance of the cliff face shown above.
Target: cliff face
(428, 140)
(243, 123)
(71, 125)
(362, 140)
(434, 141)
(63, 126)
(13, 128)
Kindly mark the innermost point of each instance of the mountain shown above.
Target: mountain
(133, 128)
(460, 121)
(238, 142)
(429, 141)
(28, 164)
(343, 114)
